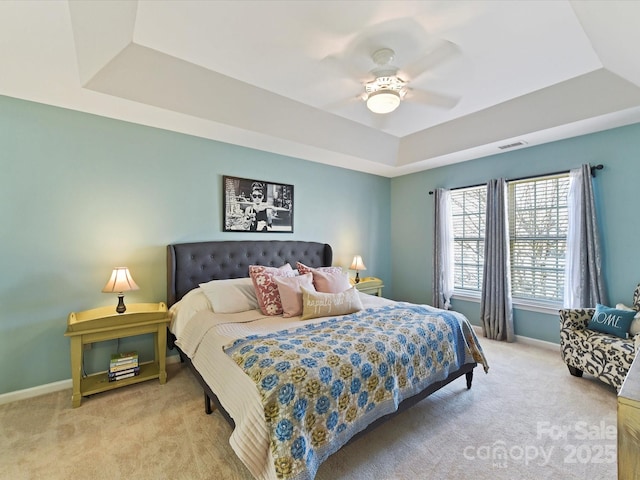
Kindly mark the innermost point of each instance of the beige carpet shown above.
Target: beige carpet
(526, 419)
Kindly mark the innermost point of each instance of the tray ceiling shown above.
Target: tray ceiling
(287, 77)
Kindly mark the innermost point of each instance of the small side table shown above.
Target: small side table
(629, 424)
(104, 323)
(370, 285)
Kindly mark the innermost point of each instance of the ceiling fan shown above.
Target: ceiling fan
(384, 93)
(390, 85)
(386, 86)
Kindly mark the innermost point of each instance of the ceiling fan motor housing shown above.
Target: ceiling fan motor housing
(384, 93)
(392, 82)
(384, 56)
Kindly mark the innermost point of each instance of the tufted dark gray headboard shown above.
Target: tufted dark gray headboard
(189, 264)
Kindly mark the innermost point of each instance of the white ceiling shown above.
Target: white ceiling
(285, 76)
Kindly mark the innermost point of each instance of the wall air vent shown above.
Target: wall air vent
(519, 143)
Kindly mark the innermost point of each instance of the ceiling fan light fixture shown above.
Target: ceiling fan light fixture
(383, 101)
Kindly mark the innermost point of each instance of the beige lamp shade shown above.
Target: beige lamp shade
(357, 264)
(120, 281)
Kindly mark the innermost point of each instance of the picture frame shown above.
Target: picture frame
(251, 205)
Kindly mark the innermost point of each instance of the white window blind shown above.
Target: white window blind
(468, 207)
(537, 235)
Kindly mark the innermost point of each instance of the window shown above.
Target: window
(538, 220)
(468, 211)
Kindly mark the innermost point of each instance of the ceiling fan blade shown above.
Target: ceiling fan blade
(335, 64)
(340, 104)
(434, 99)
(441, 52)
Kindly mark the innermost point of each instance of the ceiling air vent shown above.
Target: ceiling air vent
(519, 143)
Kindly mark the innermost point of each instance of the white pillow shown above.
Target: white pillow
(231, 296)
(181, 312)
(193, 302)
(634, 329)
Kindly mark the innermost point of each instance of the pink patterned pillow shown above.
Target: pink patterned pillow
(266, 288)
(302, 269)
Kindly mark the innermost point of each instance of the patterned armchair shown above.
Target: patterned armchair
(604, 356)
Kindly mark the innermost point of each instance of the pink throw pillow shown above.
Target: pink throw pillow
(302, 269)
(330, 282)
(266, 288)
(291, 292)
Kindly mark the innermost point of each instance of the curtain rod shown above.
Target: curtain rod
(593, 174)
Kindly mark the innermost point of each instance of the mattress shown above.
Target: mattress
(204, 336)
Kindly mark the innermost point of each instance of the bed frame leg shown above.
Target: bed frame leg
(207, 404)
(469, 376)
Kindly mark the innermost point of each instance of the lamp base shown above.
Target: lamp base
(121, 307)
(357, 280)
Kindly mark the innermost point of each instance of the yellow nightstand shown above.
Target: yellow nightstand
(104, 323)
(629, 424)
(370, 285)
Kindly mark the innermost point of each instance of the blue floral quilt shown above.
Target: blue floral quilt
(322, 383)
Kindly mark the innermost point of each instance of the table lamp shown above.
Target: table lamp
(357, 264)
(120, 281)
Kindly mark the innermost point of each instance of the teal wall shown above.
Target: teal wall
(81, 194)
(616, 188)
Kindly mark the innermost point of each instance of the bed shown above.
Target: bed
(297, 385)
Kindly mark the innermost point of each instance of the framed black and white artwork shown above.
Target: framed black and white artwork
(257, 206)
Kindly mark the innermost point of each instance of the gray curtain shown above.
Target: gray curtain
(442, 250)
(496, 312)
(583, 284)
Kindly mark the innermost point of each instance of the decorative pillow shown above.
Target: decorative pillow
(318, 304)
(330, 282)
(634, 329)
(611, 320)
(302, 269)
(266, 288)
(290, 292)
(231, 296)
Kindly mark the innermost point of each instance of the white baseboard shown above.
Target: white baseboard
(526, 340)
(538, 343)
(52, 387)
(35, 391)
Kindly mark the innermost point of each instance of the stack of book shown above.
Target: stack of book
(123, 365)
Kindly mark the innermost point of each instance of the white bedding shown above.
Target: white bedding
(202, 336)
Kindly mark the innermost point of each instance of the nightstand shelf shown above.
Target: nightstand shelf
(104, 323)
(370, 285)
(99, 382)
